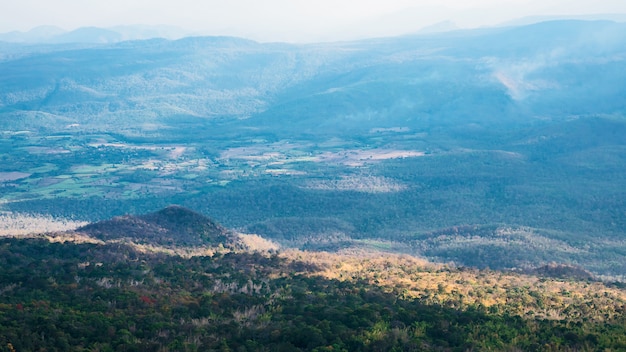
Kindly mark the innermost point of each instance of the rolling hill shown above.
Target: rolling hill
(171, 226)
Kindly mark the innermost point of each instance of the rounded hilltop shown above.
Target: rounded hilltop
(172, 226)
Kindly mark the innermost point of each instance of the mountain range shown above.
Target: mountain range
(414, 20)
(470, 146)
(480, 75)
(96, 35)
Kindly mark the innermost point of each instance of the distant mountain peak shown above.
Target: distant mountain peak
(36, 35)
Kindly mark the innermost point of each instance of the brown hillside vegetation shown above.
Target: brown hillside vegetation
(177, 231)
(495, 291)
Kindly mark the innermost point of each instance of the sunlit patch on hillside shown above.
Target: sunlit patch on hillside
(285, 172)
(46, 150)
(257, 243)
(537, 297)
(15, 224)
(390, 129)
(366, 184)
(12, 176)
(359, 157)
(494, 153)
(168, 151)
(514, 87)
(516, 78)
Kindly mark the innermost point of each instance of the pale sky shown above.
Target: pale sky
(289, 20)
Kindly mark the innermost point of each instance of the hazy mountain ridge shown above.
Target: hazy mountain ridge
(516, 68)
(204, 77)
(94, 35)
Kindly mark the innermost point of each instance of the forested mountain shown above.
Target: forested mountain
(495, 147)
(480, 76)
(76, 294)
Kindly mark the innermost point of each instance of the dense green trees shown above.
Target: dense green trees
(77, 297)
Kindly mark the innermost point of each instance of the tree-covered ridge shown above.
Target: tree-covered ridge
(112, 297)
(529, 296)
(171, 226)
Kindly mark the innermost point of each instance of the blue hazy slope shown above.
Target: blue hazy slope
(555, 68)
